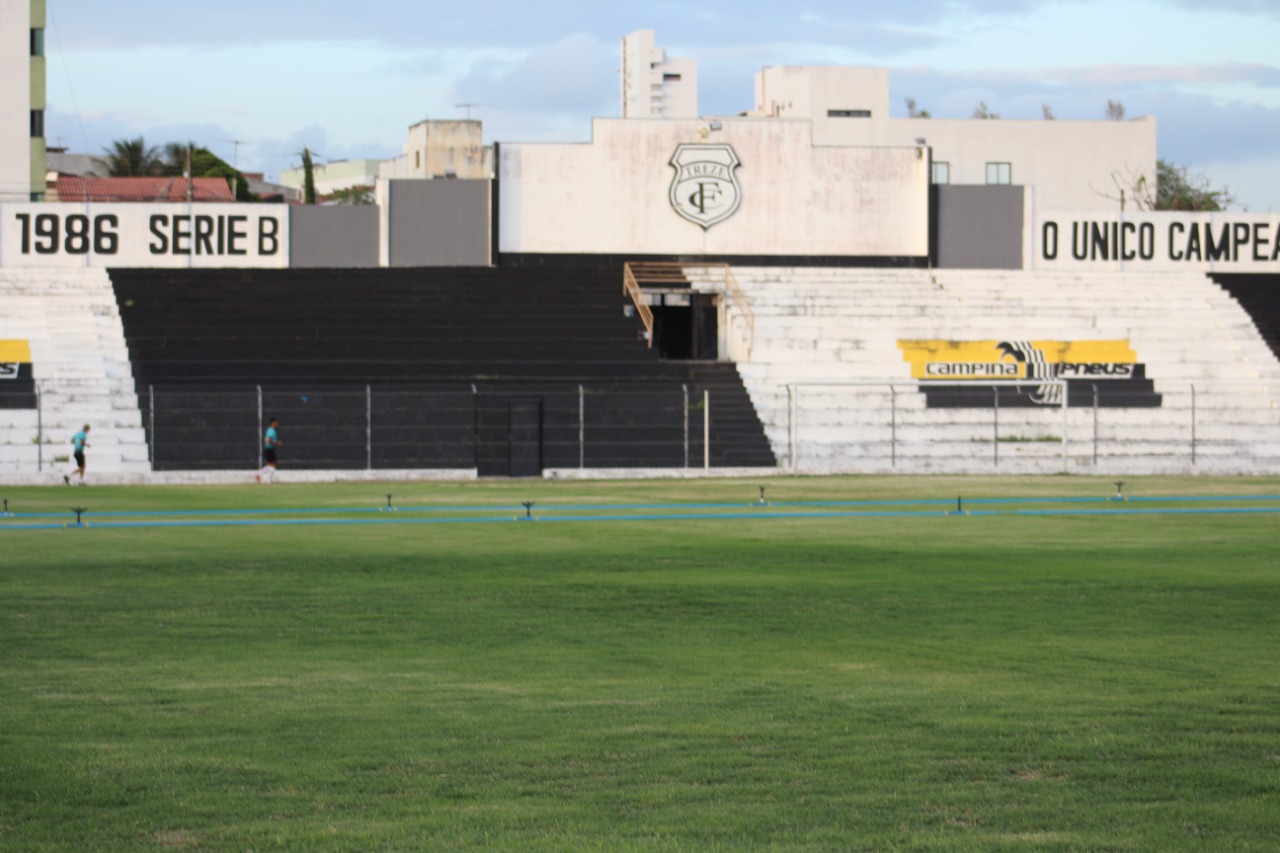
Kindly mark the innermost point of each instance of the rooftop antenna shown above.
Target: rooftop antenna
(235, 153)
(467, 107)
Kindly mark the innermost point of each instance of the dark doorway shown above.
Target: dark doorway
(509, 436)
(685, 326)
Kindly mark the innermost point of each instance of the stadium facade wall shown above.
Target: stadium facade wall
(333, 236)
(978, 227)
(737, 188)
(436, 223)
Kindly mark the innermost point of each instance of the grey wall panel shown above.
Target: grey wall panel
(979, 227)
(344, 235)
(444, 223)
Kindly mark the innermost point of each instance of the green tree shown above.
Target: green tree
(913, 112)
(983, 112)
(204, 164)
(1177, 188)
(131, 158)
(351, 195)
(308, 178)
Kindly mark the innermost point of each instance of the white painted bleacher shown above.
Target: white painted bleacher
(1220, 383)
(81, 368)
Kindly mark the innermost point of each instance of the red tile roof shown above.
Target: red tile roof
(76, 188)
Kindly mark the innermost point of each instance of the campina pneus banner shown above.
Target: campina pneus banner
(978, 374)
(17, 383)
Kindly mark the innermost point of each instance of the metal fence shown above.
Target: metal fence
(887, 425)
(497, 428)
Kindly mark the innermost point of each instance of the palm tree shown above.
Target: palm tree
(131, 158)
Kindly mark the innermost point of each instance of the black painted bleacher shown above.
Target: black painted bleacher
(418, 368)
(1260, 296)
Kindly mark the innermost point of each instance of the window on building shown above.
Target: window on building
(999, 173)
(37, 124)
(941, 173)
(848, 113)
(417, 159)
(37, 42)
(671, 78)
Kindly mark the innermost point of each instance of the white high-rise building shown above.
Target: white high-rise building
(22, 100)
(654, 86)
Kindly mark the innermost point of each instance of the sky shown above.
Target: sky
(255, 81)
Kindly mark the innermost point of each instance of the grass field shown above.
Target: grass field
(914, 681)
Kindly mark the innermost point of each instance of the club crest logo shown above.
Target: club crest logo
(705, 187)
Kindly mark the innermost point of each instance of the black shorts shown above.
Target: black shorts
(269, 455)
(79, 455)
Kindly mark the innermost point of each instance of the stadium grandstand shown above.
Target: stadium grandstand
(809, 286)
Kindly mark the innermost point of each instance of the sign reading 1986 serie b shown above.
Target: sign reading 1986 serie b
(704, 189)
(143, 234)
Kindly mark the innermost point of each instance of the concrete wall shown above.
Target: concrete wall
(1073, 165)
(333, 236)
(436, 223)
(787, 91)
(979, 227)
(618, 194)
(15, 100)
(330, 177)
(442, 149)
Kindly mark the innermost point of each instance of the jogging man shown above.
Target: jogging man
(270, 442)
(79, 442)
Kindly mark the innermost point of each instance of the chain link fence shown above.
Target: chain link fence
(887, 425)
(500, 429)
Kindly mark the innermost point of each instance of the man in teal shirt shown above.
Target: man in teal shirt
(79, 442)
(270, 442)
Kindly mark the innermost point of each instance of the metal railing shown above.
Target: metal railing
(722, 275)
(865, 431)
(631, 287)
(636, 275)
(607, 425)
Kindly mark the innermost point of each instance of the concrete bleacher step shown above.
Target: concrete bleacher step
(816, 326)
(81, 369)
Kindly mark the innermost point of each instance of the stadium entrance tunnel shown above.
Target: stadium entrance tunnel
(684, 325)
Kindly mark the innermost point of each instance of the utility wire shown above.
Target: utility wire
(62, 54)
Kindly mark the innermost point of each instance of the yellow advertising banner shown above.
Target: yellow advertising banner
(15, 352)
(1053, 373)
(1005, 360)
